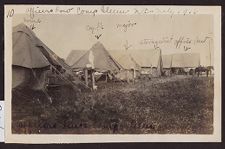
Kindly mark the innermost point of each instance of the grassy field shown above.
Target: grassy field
(178, 104)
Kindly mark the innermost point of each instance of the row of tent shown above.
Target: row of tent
(115, 60)
(143, 58)
(149, 61)
(183, 60)
(183, 63)
(122, 64)
(33, 61)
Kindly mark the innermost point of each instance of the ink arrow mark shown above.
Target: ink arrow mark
(98, 36)
(32, 27)
(127, 46)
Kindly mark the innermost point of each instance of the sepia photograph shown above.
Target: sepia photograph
(112, 70)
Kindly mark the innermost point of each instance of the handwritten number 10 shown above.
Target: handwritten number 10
(10, 13)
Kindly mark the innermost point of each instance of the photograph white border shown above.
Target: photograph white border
(96, 138)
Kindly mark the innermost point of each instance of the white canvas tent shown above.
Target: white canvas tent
(125, 59)
(102, 60)
(130, 67)
(185, 60)
(150, 61)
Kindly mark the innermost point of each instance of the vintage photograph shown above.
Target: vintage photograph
(112, 73)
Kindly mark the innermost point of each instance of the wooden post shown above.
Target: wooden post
(209, 53)
(127, 76)
(93, 79)
(134, 75)
(106, 77)
(86, 76)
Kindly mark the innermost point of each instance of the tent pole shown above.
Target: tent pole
(106, 78)
(93, 79)
(128, 81)
(210, 63)
(86, 76)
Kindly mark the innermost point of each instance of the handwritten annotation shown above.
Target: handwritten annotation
(96, 30)
(126, 26)
(108, 10)
(178, 42)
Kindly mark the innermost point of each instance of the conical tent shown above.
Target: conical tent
(102, 60)
(25, 52)
(28, 50)
(31, 57)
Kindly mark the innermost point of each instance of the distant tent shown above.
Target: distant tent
(74, 56)
(130, 69)
(102, 60)
(149, 60)
(186, 60)
(31, 59)
(125, 59)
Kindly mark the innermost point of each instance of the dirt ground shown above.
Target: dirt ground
(166, 105)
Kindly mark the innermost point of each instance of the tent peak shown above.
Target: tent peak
(98, 44)
(25, 29)
(20, 27)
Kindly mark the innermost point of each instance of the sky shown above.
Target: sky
(63, 33)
